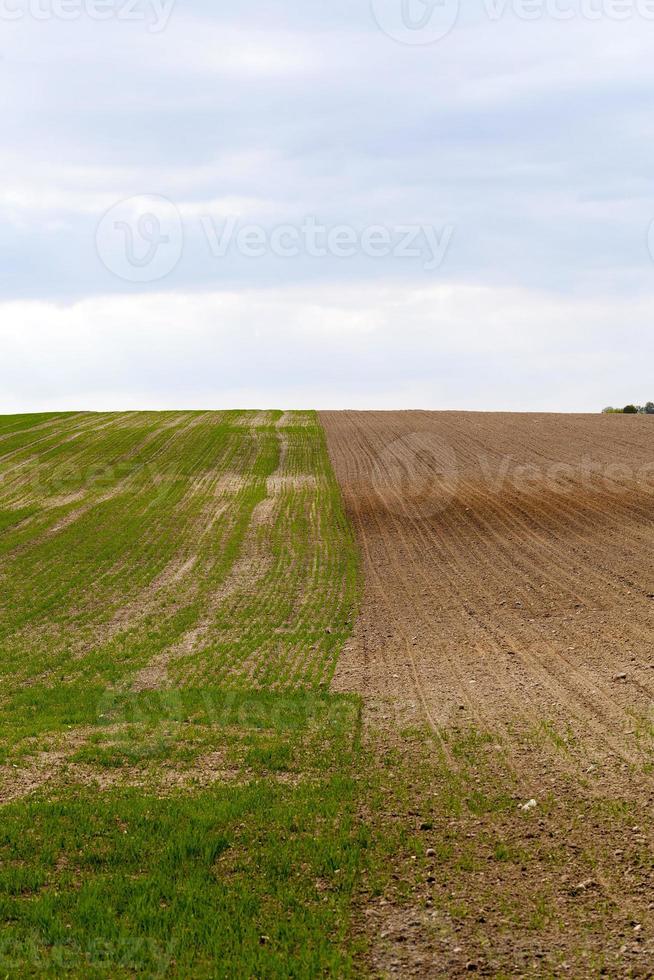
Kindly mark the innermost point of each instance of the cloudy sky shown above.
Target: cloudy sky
(365, 204)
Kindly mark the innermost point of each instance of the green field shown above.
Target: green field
(180, 792)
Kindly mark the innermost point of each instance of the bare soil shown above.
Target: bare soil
(509, 606)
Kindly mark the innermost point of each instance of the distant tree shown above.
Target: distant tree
(608, 411)
(649, 408)
(630, 410)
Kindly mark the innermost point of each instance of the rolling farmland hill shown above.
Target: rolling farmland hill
(339, 695)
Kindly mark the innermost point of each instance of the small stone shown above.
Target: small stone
(529, 805)
(620, 677)
(584, 886)
(430, 852)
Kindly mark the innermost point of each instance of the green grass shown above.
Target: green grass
(200, 819)
(252, 879)
(128, 537)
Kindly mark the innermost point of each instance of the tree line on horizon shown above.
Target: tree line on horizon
(647, 409)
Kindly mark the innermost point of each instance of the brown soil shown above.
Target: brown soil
(509, 603)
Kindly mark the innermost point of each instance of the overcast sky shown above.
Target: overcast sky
(327, 204)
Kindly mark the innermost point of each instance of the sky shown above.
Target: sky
(337, 204)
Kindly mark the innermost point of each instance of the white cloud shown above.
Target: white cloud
(533, 140)
(452, 346)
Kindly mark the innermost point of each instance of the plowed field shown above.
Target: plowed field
(509, 616)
